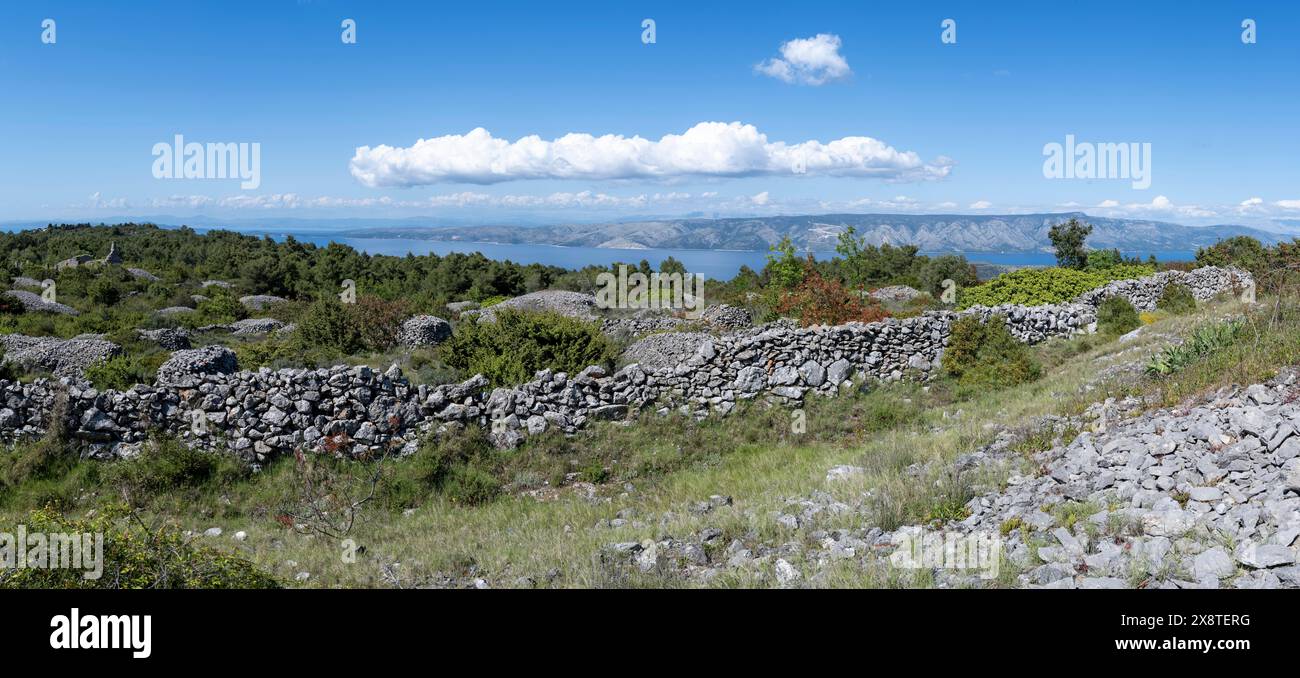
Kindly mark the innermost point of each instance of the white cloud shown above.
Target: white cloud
(1159, 205)
(808, 61)
(980, 205)
(97, 201)
(760, 199)
(709, 149)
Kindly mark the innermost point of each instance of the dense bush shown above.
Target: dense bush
(1176, 299)
(510, 350)
(1037, 286)
(327, 323)
(166, 464)
(123, 372)
(221, 307)
(1274, 268)
(10, 306)
(818, 301)
(1115, 315)
(379, 320)
(135, 556)
(986, 355)
(1242, 252)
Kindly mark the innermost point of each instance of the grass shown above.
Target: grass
(549, 525)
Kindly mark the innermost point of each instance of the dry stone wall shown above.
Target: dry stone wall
(357, 411)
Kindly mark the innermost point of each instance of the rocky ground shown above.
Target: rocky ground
(1203, 496)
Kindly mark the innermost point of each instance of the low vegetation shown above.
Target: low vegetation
(518, 344)
(984, 355)
(1116, 316)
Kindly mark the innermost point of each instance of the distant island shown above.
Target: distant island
(819, 233)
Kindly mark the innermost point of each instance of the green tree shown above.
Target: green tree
(1068, 239)
(785, 270)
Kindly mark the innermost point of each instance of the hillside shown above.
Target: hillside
(1133, 427)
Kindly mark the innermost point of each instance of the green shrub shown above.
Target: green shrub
(379, 320)
(510, 350)
(1117, 316)
(11, 306)
(1176, 299)
(135, 556)
(987, 355)
(457, 467)
(166, 464)
(46, 458)
(8, 371)
(327, 323)
(123, 372)
(1203, 342)
(1038, 286)
(103, 292)
(221, 307)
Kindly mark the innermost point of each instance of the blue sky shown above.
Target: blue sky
(957, 127)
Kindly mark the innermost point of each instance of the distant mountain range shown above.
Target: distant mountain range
(819, 233)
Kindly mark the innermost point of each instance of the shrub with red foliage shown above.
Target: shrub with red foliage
(379, 320)
(818, 301)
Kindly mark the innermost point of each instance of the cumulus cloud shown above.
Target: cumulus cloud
(98, 201)
(709, 149)
(980, 205)
(808, 61)
(1159, 206)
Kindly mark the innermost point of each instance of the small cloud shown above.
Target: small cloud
(981, 205)
(808, 61)
(760, 199)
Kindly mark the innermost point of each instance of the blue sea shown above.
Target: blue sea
(717, 264)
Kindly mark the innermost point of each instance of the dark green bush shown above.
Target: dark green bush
(1117, 316)
(986, 355)
(221, 307)
(1176, 299)
(510, 350)
(327, 323)
(103, 292)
